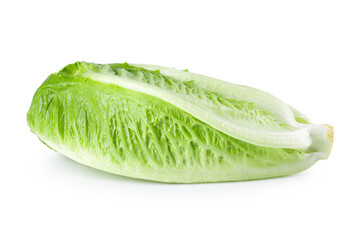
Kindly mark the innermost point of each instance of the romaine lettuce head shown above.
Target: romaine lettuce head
(167, 125)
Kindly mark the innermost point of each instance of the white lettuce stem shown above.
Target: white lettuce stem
(322, 136)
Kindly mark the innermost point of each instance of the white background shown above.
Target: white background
(304, 52)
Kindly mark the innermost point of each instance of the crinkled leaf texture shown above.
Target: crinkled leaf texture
(167, 125)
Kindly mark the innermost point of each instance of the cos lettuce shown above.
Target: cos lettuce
(163, 124)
